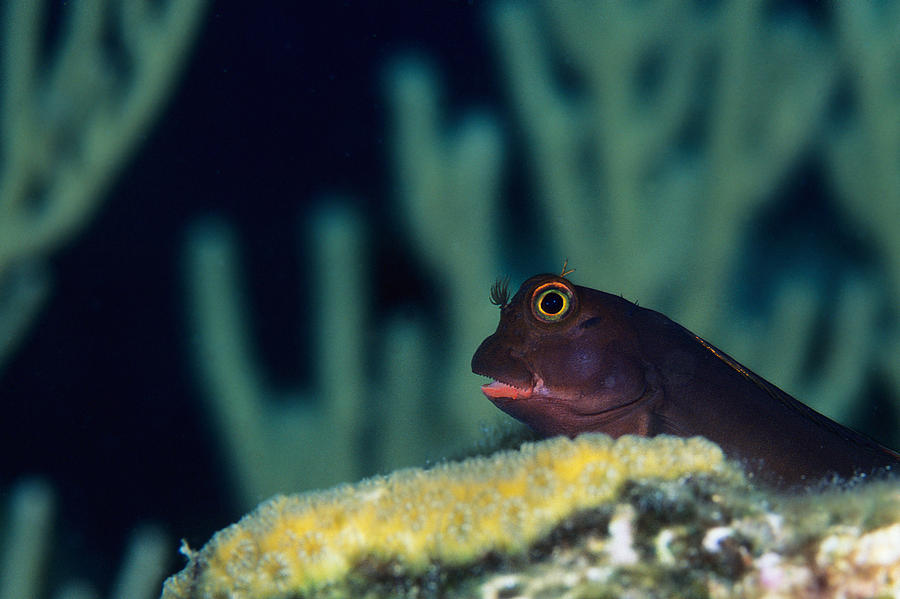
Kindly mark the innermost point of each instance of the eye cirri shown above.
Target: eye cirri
(551, 302)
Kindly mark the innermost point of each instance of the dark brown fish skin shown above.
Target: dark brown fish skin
(610, 366)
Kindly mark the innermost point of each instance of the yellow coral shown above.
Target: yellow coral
(451, 514)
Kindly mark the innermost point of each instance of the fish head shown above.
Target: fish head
(562, 356)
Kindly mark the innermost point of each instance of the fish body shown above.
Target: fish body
(567, 359)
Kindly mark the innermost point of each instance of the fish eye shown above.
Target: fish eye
(551, 302)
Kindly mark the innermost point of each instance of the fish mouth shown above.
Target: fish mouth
(512, 378)
(501, 390)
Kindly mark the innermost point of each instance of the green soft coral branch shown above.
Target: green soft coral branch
(69, 121)
(27, 545)
(261, 436)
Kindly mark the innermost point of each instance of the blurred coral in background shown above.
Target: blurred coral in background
(285, 290)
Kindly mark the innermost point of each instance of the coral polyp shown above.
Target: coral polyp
(449, 515)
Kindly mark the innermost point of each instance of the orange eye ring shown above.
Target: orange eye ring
(551, 302)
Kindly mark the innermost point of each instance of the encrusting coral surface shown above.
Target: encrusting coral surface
(589, 517)
(452, 514)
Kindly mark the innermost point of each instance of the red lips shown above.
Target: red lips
(502, 390)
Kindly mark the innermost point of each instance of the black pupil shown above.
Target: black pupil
(552, 303)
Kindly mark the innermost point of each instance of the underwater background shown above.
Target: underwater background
(281, 283)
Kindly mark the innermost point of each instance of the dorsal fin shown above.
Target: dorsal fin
(790, 402)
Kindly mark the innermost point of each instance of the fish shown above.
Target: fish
(567, 360)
